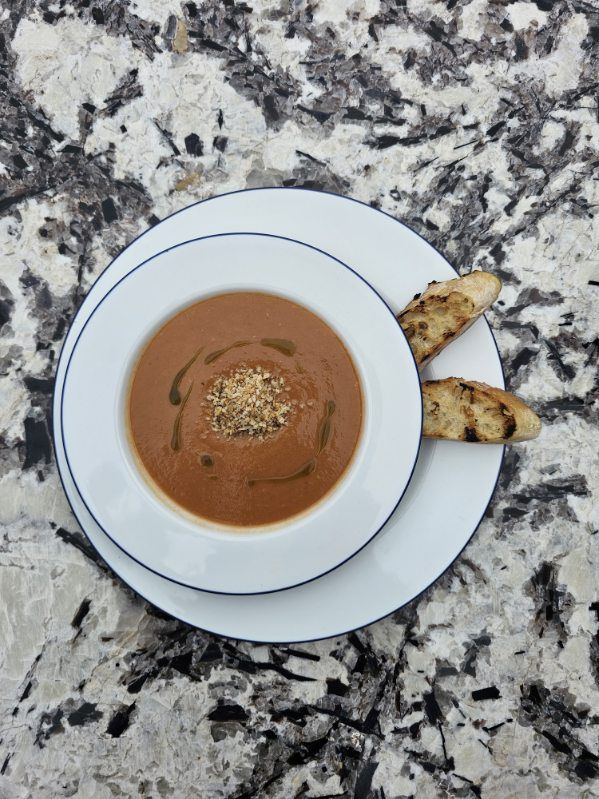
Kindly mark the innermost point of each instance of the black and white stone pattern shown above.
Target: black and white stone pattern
(477, 123)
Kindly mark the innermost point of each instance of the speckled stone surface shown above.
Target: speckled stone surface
(475, 122)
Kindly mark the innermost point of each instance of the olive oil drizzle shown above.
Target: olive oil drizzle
(174, 395)
(211, 357)
(281, 344)
(324, 431)
(324, 434)
(176, 437)
(303, 471)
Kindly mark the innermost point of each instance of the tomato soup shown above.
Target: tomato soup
(244, 409)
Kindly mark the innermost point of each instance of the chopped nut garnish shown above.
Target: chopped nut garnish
(247, 401)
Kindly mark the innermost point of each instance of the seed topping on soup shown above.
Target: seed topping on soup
(248, 401)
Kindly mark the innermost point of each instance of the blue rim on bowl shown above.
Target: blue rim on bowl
(396, 500)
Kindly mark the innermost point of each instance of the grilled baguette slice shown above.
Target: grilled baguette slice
(445, 310)
(463, 410)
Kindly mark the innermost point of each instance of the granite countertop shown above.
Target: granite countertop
(475, 122)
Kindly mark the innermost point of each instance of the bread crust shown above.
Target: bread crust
(466, 410)
(444, 311)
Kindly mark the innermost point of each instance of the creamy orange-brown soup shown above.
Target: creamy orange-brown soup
(245, 409)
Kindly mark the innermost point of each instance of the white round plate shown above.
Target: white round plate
(452, 484)
(187, 549)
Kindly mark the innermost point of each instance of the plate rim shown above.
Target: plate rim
(411, 361)
(152, 602)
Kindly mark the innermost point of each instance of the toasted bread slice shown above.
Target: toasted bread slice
(445, 310)
(463, 410)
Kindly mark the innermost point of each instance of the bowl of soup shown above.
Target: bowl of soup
(241, 413)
